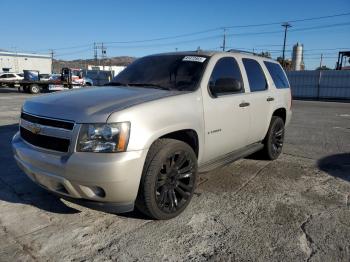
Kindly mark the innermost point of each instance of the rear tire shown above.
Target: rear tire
(34, 89)
(168, 180)
(274, 139)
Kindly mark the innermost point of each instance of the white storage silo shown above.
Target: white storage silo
(297, 57)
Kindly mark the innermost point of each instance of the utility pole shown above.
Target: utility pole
(224, 41)
(103, 54)
(321, 61)
(286, 26)
(95, 53)
(52, 54)
(103, 49)
(16, 60)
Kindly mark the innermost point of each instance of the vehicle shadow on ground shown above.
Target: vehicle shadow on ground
(337, 165)
(6, 90)
(16, 187)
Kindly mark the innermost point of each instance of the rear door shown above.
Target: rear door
(226, 122)
(260, 99)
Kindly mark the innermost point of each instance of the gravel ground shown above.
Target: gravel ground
(292, 209)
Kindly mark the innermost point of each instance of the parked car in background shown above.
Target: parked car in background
(10, 77)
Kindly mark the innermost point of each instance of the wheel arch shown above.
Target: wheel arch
(280, 112)
(188, 136)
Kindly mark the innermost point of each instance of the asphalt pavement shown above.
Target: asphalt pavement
(292, 209)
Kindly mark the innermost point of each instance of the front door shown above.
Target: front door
(225, 115)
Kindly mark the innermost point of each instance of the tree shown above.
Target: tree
(323, 68)
(266, 54)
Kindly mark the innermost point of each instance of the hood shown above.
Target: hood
(91, 105)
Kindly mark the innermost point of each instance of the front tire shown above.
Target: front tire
(168, 180)
(274, 139)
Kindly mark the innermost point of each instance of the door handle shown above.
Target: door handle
(244, 104)
(269, 99)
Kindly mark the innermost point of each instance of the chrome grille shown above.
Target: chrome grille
(47, 133)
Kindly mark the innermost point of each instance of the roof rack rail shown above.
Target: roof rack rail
(243, 51)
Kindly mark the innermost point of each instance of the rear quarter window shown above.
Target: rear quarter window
(255, 74)
(277, 74)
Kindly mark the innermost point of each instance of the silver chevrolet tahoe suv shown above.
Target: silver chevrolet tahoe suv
(142, 140)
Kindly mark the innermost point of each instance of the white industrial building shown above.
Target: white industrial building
(17, 62)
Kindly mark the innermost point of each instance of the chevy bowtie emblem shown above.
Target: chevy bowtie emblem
(34, 128)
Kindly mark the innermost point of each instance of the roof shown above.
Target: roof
(191, 53)
(6, 53)
(211, 53)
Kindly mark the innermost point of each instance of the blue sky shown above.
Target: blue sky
(71, 27)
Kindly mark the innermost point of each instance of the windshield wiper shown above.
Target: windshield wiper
(150, 85)
(116, 84)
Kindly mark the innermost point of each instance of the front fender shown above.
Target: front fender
(152, 120)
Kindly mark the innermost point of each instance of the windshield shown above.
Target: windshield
(172, 72)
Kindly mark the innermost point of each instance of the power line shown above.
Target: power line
(292, 30)
(226, 27)
(73, 53)
(320, 27)
(168, 44)
(220, 36)
(291, 21)
(217, 29)
(64, 48)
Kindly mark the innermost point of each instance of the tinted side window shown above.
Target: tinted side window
(226, 67)
(277, 74)
(256, 77)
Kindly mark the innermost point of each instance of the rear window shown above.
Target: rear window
(277, 74)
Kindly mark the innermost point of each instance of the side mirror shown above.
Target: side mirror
(226, 85)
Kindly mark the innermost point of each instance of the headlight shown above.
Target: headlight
(106, 138)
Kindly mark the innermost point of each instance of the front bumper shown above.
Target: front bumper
(93, 179)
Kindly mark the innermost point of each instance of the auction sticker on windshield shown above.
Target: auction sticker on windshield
(194, 59)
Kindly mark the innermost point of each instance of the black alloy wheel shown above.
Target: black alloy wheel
(273, 142)
(168, 180)
(278, 137)
(175, 182)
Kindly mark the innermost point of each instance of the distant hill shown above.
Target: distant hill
(81, 63)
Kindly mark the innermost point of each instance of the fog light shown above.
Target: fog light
(98, 191)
